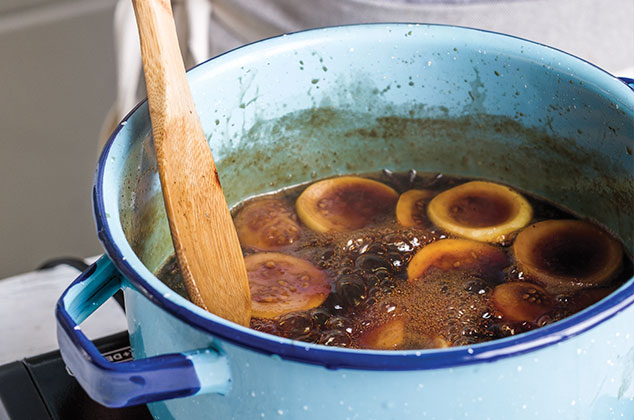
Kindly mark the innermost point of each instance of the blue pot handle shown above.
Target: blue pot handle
(137, 381)
(629, 82)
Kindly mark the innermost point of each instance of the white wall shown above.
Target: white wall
(57, 81)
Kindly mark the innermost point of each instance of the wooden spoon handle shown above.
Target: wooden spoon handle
(203, 233)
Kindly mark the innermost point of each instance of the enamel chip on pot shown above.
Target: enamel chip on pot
(483, 211)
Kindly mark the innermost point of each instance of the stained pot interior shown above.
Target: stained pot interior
(437, 99)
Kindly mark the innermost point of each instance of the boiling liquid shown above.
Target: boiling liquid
(369, 287)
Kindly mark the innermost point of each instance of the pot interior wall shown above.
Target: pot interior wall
(360, 99)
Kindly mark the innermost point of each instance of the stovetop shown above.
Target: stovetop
(41, 387)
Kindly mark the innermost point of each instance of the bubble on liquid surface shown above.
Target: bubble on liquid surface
(367, 270)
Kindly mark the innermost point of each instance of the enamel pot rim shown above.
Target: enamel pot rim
(118, 249)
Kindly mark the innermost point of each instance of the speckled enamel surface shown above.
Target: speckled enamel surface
(363, 98)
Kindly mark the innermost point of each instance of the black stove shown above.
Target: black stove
(41, 387)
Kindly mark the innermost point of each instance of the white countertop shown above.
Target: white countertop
(27, 313)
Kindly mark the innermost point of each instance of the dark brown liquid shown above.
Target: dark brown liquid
(367, 270)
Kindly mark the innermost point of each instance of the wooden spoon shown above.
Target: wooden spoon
(203, 233)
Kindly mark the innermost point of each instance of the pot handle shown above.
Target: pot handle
(134, 382)
(629, 82)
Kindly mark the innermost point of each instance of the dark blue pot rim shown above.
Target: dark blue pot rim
(341, 358)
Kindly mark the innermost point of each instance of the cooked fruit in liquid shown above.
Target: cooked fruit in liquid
(394, 262)
(411, 208)
(521, 301)
(457, 255)
(344, 204)
(479, 210)
(268, 224)
(282, 283)
(567, 254)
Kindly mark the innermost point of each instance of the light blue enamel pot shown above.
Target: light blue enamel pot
(359, 99)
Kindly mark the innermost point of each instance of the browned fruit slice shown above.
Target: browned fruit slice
(267, 224)
(566, 255)
(456, 254)
(281, 283)
(423, 341)
(410, 208)
(344, 203)
(393, 335)
(387, 336)
(521, 301)
(480, 210)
